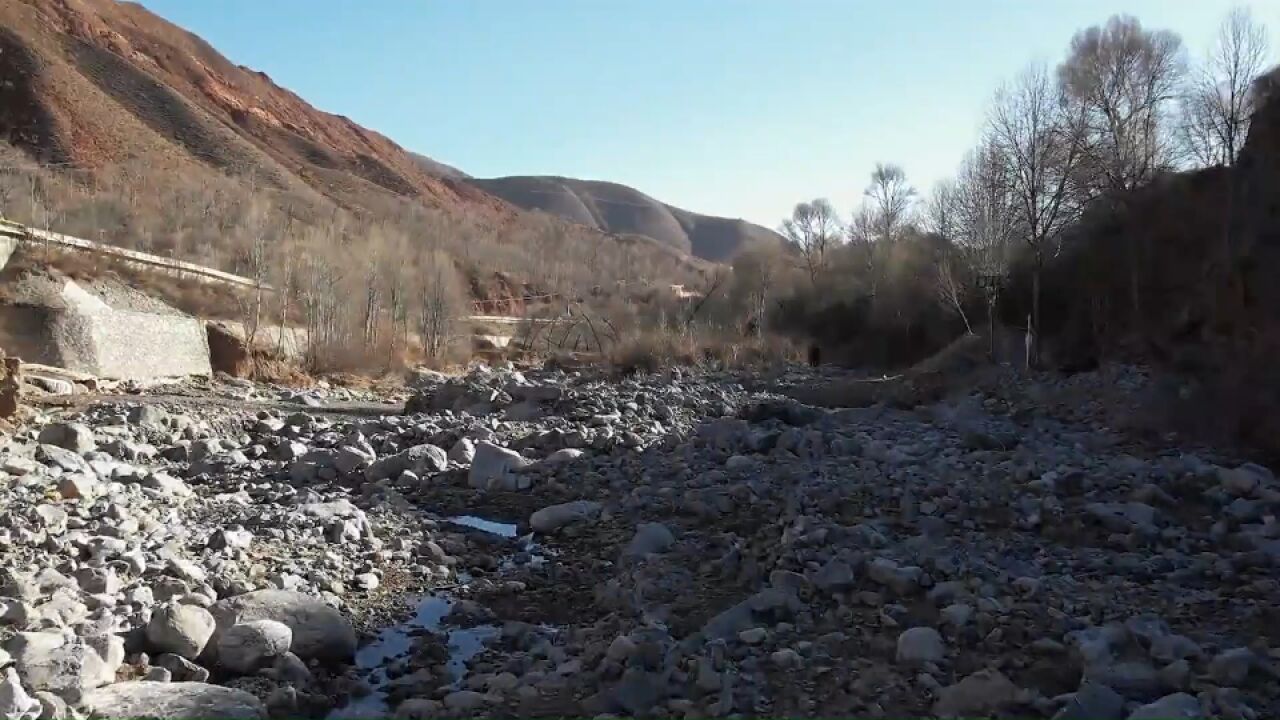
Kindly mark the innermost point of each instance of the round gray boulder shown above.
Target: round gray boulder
(245, 647)
(183, 630)
(319, 631)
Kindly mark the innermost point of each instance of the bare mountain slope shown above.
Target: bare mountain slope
(95, 82)
(615, 208)
(98, 84)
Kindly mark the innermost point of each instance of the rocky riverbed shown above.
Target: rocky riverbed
(686, 544)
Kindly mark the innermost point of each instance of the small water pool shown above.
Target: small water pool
(397, 641)
(507, 530)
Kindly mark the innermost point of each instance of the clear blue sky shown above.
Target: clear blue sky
(731, 107)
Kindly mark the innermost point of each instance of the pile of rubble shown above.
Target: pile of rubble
(548, 543)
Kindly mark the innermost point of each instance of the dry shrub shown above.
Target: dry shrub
(651, 351)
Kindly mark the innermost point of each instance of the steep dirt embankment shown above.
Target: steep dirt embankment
(1182, 274)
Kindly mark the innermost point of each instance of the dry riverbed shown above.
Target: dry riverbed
(550, 544)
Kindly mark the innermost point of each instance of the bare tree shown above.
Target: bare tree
(255, 231)
(864, 250)
(814, 228)
(758, 274)
(1039, 137)
(1123, 78)
(940, 214)
(951, 289)
(986, 213)
(1220, 100)
(440, 301)
(890, 196)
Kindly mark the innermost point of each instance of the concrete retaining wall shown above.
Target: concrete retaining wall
(88, 336)
(133, 345)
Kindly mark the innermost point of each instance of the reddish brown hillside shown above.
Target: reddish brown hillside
(97, 81)
(100, 85)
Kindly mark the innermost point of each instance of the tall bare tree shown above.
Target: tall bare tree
(1124, 79)
(1220, 99)
(986, 212)
(255, 231)
(940, 215)
(890, 196)
(814, 228)
(440, 301)
(1039, 137)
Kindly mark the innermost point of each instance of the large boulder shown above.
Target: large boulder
(15, 703)
(1179, 706)
(920, 645)
(649, 538)
(62, 664)
(420, 459)
(981, 694)
(497, 468)
(553, 517)
(180, 629)
(248, 646)
(145, 700)
(76, 437)
(319, 631)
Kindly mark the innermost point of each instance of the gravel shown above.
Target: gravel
(673, 544)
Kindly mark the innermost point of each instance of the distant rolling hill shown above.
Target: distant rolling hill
(618, 209)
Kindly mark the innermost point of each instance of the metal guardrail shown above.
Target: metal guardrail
(33, 236)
